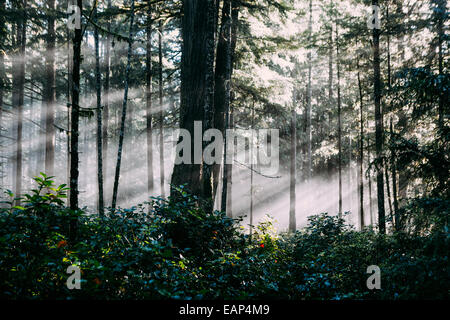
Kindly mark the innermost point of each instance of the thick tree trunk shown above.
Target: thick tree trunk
(148, 99)
(124, 110)
(99, 121)
(197, 85)
(49, 91)
(378, 127)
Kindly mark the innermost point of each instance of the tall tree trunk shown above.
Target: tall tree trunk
(402, 122)
(69, 112)
(293, 173)
(251, 168)
(393, 164)
(161, 111)
(361, 154)
(222, 83)
(196, 87)
(330, 89)
(106, 98)
(3, 38)
(394, 183)
(442, 12)
(369, 177)
(124, 109)
(74, 124)
(99, 120)
(148, 99)
(338, 66)
(309, 94)
(49, 91)
(18, 100)
(378, 127)
(227, 186)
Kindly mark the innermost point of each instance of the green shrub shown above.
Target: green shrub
(174, 249)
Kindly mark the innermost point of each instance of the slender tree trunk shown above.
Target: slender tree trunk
(124, 109)
(369, 177)
(251, 169)
(394, 183)
(161, 111)
(3, 38)
(330, 89)
(308, 108)
(49, 91)
(69, 112)
(229, 197)
(148, 99)
(338, 66)
(378, 127)
(74, 124)
(388, 190)
(18, 101)
(393, 164)
(361, 154)
(442, 6)
(208, 115)
(228, 168)
(293, 173)
(222, 84)
(106, 98)
(402, 123)
(99, 121)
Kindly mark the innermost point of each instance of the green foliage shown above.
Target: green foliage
(174, 249)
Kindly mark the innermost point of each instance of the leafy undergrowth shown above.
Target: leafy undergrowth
(178, 251)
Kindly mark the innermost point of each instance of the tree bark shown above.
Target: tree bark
(309, 95)
(49, 91)
(222, 82)
(197, 86)
(106, 88)
(378, 127)
(361, 154)
(148, 100)
(227, 186)
(161, 111)
(75, 119)
(99, 120)
(124, 110)
(18, 100)
(338, 66)
(293, 173)
(2, 81)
